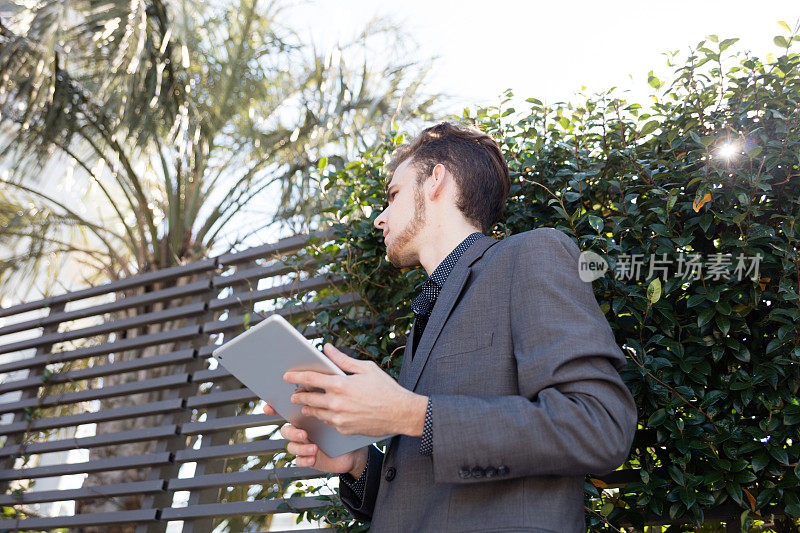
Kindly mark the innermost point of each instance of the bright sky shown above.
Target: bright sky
(548, 50)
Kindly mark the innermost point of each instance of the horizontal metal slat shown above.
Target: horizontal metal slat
(118, 367)
(240, 449)
(95, 491)
(210, 375)
(220, 398)
(94, 441)
(205, 351)
(296, 312)
(281, 291)
(242, 508)
(164, 315)
(93, 519)
(162, 337)
(129, 411)
(124, 303)
(131, 387)
(127, 283)
(229, 422)
(99, 465)
(283, 246)
(248, 477)
(250, 275)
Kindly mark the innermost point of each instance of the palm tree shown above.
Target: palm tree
(141, 135)
(179, 116)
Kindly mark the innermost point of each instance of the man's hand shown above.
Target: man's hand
(368, 402)
(309, 454)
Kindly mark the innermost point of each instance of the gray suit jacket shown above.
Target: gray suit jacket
(522, 369)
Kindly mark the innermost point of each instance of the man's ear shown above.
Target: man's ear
(438, 176)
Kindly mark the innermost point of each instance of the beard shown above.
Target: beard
(398, 252)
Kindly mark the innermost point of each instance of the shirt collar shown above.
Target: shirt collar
(423, 303)
(441, 272)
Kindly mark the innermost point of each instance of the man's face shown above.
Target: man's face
(404, 218)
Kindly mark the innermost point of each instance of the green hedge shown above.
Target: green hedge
(708, 166)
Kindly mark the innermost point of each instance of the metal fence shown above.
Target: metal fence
(135, 366)
(129, 360)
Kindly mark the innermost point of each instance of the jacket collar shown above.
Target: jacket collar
(410, 371)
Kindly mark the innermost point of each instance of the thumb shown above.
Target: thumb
(340, 359)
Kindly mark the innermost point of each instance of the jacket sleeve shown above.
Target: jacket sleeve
(361, 508)
(574, 415)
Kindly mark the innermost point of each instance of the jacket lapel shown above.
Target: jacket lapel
(407, 355)
(412, 369)
(392, 443)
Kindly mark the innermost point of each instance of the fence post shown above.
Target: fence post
(177, 442)
(28, 393)
(217, 438)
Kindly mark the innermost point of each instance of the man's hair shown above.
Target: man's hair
(472, 157)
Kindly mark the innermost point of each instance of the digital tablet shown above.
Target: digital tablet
(261, 355)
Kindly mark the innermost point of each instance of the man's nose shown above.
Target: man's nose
(379, 220)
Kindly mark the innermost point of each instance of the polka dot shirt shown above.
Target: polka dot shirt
(422, 307)
(357, 485)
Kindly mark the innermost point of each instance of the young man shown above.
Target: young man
(509, 391)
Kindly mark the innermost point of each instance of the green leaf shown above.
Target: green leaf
(779, 454)
(723, 323)
(781, 41)
(671, 201)
(654, 291)
(705, 316)
(657, 418)
(649, 128)
(791, 414)
(793, 509)
(759, 461)
(742, 354)
(654, 81)
(717, 351)
(596, 223)
(705, 221)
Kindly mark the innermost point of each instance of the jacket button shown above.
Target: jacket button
(477, 472)
(464, 472)
(503, 470)
(390, 473)
(490, 471)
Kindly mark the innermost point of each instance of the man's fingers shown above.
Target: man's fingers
(340, 359)
(296, 448)
(310, 379)
(317, 412)
(289, 432)
(306, 460)
(314, 399)
(268, 410)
